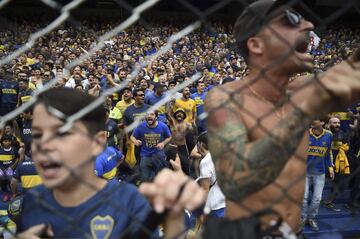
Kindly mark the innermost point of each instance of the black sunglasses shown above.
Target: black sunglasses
(293, 17)
(141, 95)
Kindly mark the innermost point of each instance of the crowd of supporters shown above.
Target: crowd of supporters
(139, 154)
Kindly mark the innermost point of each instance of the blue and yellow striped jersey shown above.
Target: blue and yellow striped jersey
(27, 175)
(8, 157)
(106, 163)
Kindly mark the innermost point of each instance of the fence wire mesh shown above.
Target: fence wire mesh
(271, 118)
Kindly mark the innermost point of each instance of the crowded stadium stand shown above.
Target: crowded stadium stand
(206, 56)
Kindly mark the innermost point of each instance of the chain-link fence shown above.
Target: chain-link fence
(264, 93)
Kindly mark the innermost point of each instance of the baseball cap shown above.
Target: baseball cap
(254, 17)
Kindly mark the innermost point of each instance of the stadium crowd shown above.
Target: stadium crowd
(179, 125)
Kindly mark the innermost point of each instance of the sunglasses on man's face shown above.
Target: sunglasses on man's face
(293, 17)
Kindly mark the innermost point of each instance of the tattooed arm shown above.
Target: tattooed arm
(245, 167)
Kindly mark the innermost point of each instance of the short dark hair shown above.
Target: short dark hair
(135, 92)
(202, 138)
(199, 82)
(69, 101)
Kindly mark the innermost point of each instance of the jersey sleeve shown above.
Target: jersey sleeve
(99, 167)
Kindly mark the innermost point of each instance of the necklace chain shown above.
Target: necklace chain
(278, 114)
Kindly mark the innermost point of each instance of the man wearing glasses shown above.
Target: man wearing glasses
(257, 133)
(134, 111)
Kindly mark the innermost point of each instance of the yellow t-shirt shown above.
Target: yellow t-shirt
(122, 105)
(189, 106)
(115, 114)
(30, 61)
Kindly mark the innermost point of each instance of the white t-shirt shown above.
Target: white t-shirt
(216, 198)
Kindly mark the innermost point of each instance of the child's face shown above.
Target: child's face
(61, 158)
(6, 143)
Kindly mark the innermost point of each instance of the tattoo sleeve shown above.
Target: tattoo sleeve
(244, 168)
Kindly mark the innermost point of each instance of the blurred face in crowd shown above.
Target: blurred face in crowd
(79, 88)
(6, 144)
(27, 115)
(317, 124)
(140, 97)
(334, 123)
(47, 75)
(162, 79)
(23, 85)
(22, 76)
(180, 116)
(91, 80)
(108, 102)
(143, 84)
(151, 118)
(8, 130)
(77, 70)
(122, 75)
(77, 79)
(37, 73)
(61, 159)
(60, 83)
(172, 85)
(200, 87)
(182, 71)
(127, 95)
(186, 92)
(99, 69)
(217, 78)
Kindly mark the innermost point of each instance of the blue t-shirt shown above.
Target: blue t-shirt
(9, 93)
(105, 163)
(152, 99)
(26, 174)
(132, 112)
(199, 100)
(318, 159)
(26, 136)
(150, 137)
(107, 214)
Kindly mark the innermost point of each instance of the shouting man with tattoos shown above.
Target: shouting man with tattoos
(257, 133)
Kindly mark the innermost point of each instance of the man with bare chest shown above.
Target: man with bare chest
(179, 129)
(257, 134)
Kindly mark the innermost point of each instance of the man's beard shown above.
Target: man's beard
(150, 122)
(334, 129)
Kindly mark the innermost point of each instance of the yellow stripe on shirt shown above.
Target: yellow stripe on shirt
(30, 181)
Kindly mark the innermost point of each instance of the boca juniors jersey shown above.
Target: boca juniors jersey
(114, 209)
(319, 152)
